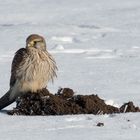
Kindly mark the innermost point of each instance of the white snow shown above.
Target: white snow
(112, 103)
(96, 44)
(62, 39)
(77, 127)
(59, 47)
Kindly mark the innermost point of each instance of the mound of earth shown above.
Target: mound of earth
(64, 102)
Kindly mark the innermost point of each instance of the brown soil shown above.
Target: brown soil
(100, 124)
(64, 102)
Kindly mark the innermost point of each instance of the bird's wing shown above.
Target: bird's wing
(17, 62)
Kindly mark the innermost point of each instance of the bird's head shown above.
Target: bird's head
(36, 41)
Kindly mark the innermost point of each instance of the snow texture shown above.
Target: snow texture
(96, 44)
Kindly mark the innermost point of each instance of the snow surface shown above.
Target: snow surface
(96, 44)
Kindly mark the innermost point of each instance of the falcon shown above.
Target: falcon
(32, 68)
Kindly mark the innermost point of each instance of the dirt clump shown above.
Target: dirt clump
(100, 124)
(129, 107)
(64, 102)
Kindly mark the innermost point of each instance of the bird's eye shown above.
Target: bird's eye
(35, 42)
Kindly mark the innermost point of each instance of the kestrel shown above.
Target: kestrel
(32, 68)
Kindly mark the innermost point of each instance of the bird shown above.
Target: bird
(31, 70)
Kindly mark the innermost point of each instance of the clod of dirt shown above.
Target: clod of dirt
(64, 102)
(100, 124)
(65, 93)
(129, 107)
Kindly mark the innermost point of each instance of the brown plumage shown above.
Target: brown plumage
(32, 68)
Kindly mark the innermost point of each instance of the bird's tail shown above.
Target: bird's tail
(6, 99)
